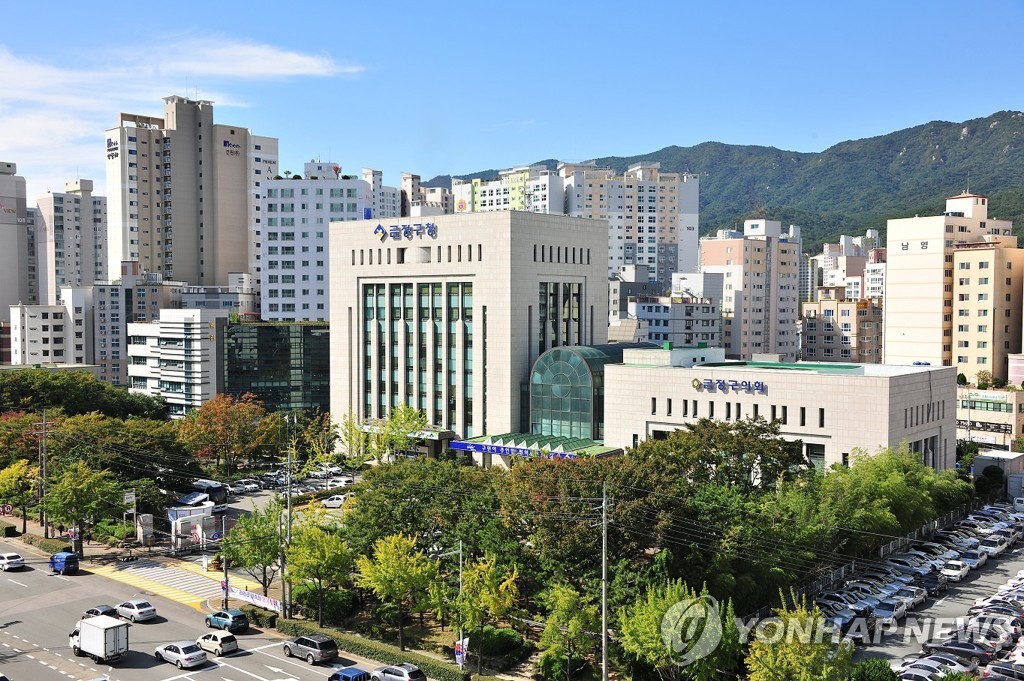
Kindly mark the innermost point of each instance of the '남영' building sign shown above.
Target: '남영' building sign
(406, 231)
(725, 385)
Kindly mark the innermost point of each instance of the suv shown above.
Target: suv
(228, 620)
(398, 672)
(312, 647)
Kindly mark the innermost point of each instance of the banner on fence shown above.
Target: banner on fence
(259, 600)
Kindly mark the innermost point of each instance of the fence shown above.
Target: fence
(925, 531)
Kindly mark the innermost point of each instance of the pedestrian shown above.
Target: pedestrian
(60, 529)
(88, 536)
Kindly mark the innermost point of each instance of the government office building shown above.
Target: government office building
(448, 313)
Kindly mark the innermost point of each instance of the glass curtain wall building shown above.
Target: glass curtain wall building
(286, 365)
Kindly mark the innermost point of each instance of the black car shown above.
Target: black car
(979, 653)
(934, 583)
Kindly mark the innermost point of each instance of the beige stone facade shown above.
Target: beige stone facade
(833, 408)
(992, 418)
(449, 314)
(836, 329)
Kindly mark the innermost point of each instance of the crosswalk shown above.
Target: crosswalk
(162, 579)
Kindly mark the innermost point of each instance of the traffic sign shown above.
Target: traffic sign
(195, 536)
(7, 509)
(129, 498)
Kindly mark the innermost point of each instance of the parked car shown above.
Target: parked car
(333, 469)
(974, 558)
(11, 561)
(913, 596)
(350, 674)
(994, 546)
(108, 610)
(908, 566)
(319, 474)
(236, 489)
(181, 654)
(136, 610)
(935, 583)
(249, 485)
(890, 611)
(978, 653)
(1004, 671)
(312, 647)
(955, 570)
(890, 574)
(398, 672)
(229, 620)
(335, 501)
(1010, 535)
(218, 642)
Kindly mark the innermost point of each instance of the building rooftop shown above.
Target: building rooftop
(832, 368)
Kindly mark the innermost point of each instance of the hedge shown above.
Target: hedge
(7, 529)
(435, 669)
(260, 617)
(48, 545)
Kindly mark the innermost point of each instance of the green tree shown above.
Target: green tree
(399, 574)
(352, 440)
(254, 543)
(874, 670)
(318, 439)
(489, 592)
(797, 649)
(228, 430)
(17, 485)
(318, 556)
(402, 427)
(569, 629)
(80, 492)
(658, 628)
(983, 379)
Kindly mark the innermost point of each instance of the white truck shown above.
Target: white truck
(103, 638)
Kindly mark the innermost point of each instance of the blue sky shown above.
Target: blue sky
(455, 87)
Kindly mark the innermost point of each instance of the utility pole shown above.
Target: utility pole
(223, 558)
(41, 430)
(604, 581)
(285, 589)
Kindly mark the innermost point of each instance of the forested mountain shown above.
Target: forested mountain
(853, 185)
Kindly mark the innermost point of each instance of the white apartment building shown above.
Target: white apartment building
(652, 216)
(184, 193)
(418, 200)
(833, 409)
(176, 357)
(240, 296)
(14, 275)
(686, 321)
(449, 315)
(71, 239)
(297, 215)
(760, 268)
(921, 307)
(387, 201)
(40, 334)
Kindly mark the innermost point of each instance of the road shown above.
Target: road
(39, 610)
(944, 610)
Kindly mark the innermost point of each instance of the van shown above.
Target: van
(350, 674)
(64, 563)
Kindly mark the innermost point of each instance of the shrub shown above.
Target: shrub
(873, 670)
(499, 641)
(260, 617)
(7, 529)
(48, 545)
(338, 603)
(375, 650)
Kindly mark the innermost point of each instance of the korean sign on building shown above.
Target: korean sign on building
(727, 385)
(406, 231)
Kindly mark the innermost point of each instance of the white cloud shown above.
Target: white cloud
(52, 117)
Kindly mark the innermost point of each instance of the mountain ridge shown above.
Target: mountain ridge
(851, 186)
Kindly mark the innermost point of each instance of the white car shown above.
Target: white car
(249, 485)
(136, 610)
(11, 561)
(993, 546)
(334, 469)
(181, 653)
(336, 501)
(236, 489)
(955, 570)
(218, 642)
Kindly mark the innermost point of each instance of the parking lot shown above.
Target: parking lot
(943, 610)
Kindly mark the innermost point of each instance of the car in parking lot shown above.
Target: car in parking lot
(11, 561)
(913, 596)
(890, 611)
(236, 489)
(978, 653)
(1004, 671)
(994, 546)
(955, 570)
(398, 672)
(249, 485)
(934, 583)
(229, 620)
(218, 642)
(335, 501)
(136, 610)
(974, 558)
(182, 654)
(312, 648)
(908, 566)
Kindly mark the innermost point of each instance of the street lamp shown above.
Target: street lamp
(444, 555)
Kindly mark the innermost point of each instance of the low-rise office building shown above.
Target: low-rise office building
(992, 418)
(834, 409)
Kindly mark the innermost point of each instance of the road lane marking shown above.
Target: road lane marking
(17, 582)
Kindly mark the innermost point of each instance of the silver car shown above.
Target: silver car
(136, 610)
(11, 561)
(181, 654)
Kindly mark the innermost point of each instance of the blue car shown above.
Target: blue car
(229, 620)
